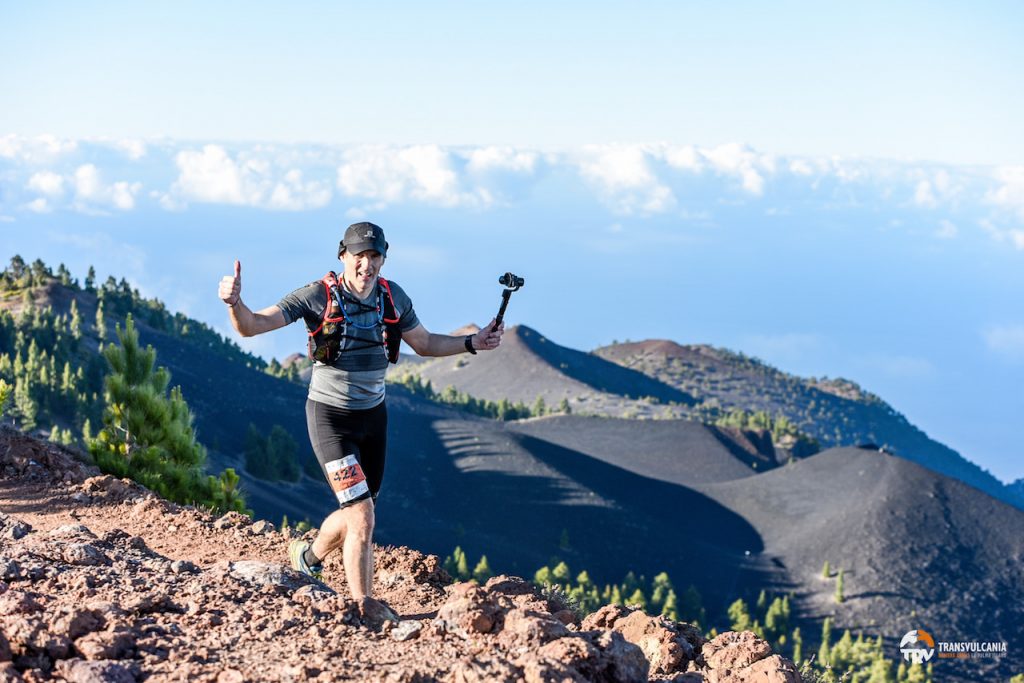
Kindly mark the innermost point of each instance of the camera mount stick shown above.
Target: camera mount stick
(512, 284)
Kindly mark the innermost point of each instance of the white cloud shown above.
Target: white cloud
(35, 150)
(133, 149)
(1015, 236)
(686, 158)
(923, 195)
(421, 173)
(87, 182)
(91, 192)
(739, 160)
(293, 194)
(1006, 340)
(39, 205)
(1010, 192)
(622, 172)
(209, 176)
(212, 176)
(800, 167)
(501, 158)
(47, 182)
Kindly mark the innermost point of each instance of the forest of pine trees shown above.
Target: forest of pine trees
(274, 457)
(115, 404)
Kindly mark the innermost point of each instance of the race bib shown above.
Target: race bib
(346, 478)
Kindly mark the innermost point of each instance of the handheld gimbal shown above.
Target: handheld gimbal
(512, 284)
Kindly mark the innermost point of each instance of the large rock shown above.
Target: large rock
(601, 657)
(523, 628)
(668, 646)
(468, 610)
(734, 657)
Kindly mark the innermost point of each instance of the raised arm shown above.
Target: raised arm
(427, 343)
(243, 319)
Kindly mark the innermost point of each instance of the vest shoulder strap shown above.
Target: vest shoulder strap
(391, 315)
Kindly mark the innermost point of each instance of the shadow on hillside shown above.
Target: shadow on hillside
(716, 525)
(601, 374)
(517, 499)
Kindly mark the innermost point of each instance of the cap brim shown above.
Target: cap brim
(360, 247)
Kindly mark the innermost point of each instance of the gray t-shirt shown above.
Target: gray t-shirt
(355, 381)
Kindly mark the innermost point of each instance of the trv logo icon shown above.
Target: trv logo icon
(917, 647)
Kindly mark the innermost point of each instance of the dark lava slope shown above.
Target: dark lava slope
(919, 550)
(678, 451)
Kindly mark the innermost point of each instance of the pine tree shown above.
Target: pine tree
(90, 280)
(564, 407)
(542, 576)
(561, 573)
(774, 619)
(916, 674)
(450, 565)
(148, 435)
(824, 652)
(5, 395)
(637, 599)
(284, 453)
(762, 601)
(669, 608)
(880, 671)
(461, 565)
(692, 607)
(25, 405)
(798, 646)
(826, 571)
(839, 586)
(539, 407)
(482, 571)
(739, 616)
(101, 323)
(76, 322)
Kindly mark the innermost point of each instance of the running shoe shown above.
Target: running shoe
(297, 555)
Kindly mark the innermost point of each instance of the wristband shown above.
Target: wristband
(469, 344)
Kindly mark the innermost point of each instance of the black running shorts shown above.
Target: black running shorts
(351, 446)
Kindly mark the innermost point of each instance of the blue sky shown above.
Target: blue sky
(838, 193)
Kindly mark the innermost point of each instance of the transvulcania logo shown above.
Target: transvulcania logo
(918, 647)
(913, 647)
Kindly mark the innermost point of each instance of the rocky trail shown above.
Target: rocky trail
(101, 580)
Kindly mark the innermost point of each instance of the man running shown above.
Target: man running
(355, 323)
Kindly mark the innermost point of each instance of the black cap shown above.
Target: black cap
(360, 237)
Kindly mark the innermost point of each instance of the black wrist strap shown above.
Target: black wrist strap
(469, 344)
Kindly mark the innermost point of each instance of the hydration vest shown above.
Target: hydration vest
(327, 340)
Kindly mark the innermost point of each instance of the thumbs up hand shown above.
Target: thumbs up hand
(230, 291)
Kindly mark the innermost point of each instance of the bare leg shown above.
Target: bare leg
(350, 529)
(358, 546)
